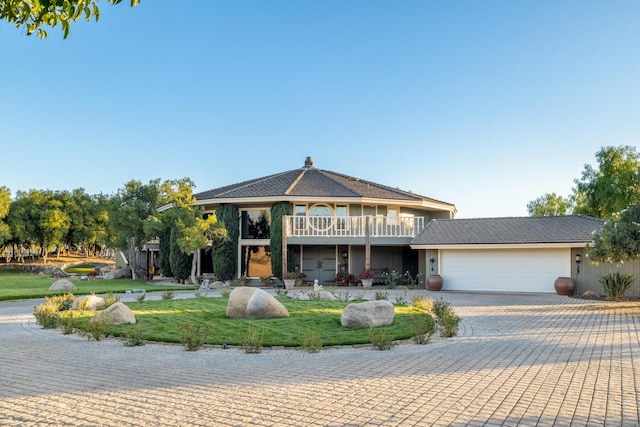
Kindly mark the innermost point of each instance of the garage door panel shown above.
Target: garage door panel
(524, 270)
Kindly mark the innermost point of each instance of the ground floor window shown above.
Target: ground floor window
(256, 261)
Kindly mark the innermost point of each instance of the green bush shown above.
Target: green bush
(252, 341)
(448, 322)
(193, 336)
(616, 284)
(381, 339)
(425, 326)
(311, 340)
(110, 299)
(440, 306)
(382, 295)
(97, 327)
(167, 295)
(133, 336)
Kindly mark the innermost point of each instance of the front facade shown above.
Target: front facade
(337, 223)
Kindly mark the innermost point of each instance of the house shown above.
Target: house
(524, 254)
(336, 223)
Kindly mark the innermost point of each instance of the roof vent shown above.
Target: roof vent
(308, 162)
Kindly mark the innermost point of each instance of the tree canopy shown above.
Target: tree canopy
(619, 240)
(549, 204)
(32, 15)
(601, 191)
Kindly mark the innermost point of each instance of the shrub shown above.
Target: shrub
(390, 279)
(225, 292)
(424, 326)
(201, 293)
(46, 314)
(615, 284)
(97, 327)
(401, 299)
(381, 339)
(67, 302)
(68, 326)
(281, 292)
(193, 336)
(167, 294)
(251, 342)
(311, 340)
(440, 306)
(110, 299)
(141, 297)
(132, 337)
(422, 302)
(381, 295)
(448, 322)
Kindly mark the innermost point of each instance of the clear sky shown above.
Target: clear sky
(483, 104)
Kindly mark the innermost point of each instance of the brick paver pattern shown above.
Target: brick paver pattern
(528, 359)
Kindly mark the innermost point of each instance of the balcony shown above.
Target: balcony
(353, 226)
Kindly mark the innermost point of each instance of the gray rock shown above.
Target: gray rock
(367, 314)
(217, 285)
(120, 273)
(590, 294)
(117, 314)
(93, 302)
(254, 303)
(62, 285)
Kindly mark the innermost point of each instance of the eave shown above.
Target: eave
(566, 245)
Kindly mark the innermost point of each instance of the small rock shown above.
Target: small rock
(62, 285)
(590, 294)
(93, 302)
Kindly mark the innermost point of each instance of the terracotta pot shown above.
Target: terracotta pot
(243, 283)
(434, 282)
(564, 286)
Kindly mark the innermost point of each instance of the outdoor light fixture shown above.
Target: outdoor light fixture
(432, 261)
(578, 263)
(345, 255)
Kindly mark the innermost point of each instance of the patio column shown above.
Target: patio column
(367, 242)
(284, 244)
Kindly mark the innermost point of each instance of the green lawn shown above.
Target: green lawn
(26, 285)
(161, 321)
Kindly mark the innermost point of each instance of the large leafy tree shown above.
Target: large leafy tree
(549, 204)
(130, 208)
(610, 187)
(191, 230)
(619, 240)
(33, 15)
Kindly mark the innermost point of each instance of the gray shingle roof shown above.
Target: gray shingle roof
(310, 181)
(516, 230)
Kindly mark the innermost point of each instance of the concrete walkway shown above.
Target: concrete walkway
(535, 359)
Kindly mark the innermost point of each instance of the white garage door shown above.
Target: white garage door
(508, 270)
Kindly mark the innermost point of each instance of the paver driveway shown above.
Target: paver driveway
(520, 360)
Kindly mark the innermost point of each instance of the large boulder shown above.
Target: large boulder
(62, 285)
(89, 302)
(120, 273)
(254, 303)
(368, 314)
(117, 314)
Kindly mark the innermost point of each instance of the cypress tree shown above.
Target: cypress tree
(278, 210)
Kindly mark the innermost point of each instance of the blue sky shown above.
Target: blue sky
(484, 104)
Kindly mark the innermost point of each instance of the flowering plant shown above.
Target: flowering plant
(366, 274)
(288, 275)
(300, 275)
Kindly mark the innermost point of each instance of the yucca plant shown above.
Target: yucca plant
(615, 284)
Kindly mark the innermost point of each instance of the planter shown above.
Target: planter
(243, 283)
(265, 284)
(434, 282)
(564, 286)
(289, 284)
(367, 283)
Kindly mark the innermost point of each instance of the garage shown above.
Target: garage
(517, 254)
(504, 270)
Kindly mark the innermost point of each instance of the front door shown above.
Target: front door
(319, 262)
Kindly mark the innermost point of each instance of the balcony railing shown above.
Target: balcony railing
(353, 226)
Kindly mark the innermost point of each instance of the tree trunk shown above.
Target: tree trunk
(132, 258)
(194, 265)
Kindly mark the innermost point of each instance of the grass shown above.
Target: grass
(26, 285)
(161, 321)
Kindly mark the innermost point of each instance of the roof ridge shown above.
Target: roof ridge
(295, 181)
(378, 185)
(254, 181)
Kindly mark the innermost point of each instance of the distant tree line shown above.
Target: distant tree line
(42, 222)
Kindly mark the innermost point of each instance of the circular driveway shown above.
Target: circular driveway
(526, 359)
